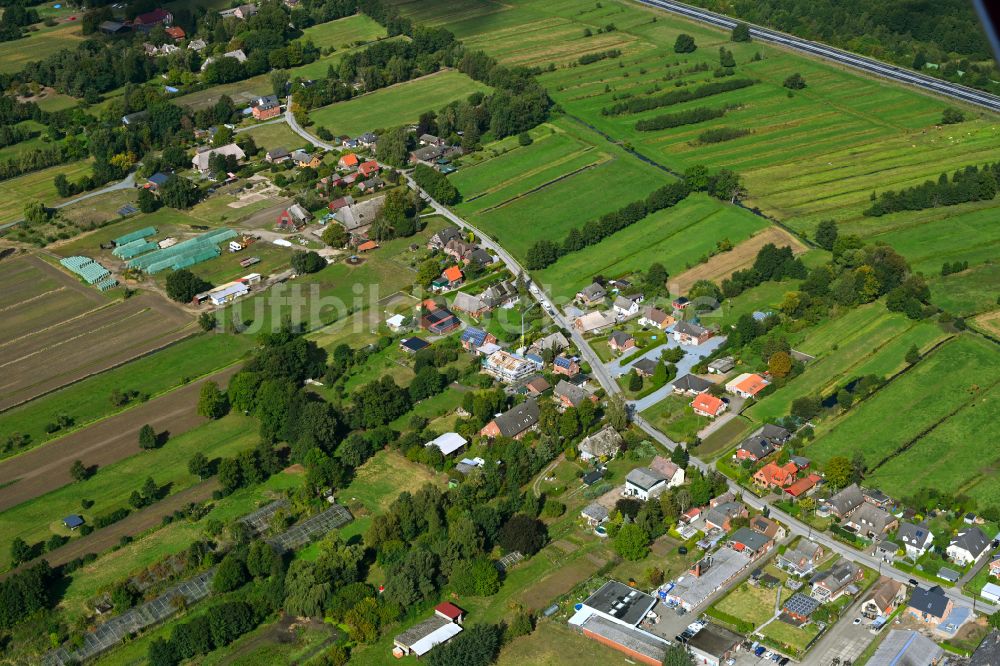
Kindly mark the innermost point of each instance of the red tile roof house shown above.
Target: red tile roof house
(803, 486)
(772, 475)
(369, 168)
(176, 33)
(348, 161)
(620, 341)
(453, 274)
(708, 405)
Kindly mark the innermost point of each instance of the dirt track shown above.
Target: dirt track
(46, 468)
(135, 523)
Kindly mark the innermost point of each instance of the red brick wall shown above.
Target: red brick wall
(621, 648)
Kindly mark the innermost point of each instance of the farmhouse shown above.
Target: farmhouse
(929, 605)
(602, 444)
(687, 333)
(227, 293)
(968, 546)
(691, 385)
(200, 160)
(426, 155)
(448, 443)
(355, 217)
(655, 318)
(644, 482)
(708, 405)
(883, 599)
(508, 368)
(445, 624)
(515, 422)
(294, 217)
(592, 295)
(801, 560)
(620, 341)
(747, 385)
(669, 470)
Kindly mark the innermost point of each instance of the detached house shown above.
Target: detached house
(561, 365)
(687, 333)
(441, 238)
(916, 539)
(773, 475)
(473, 338)
(708, 405)
(603, 444)
(844, 502)
(747, 385)
(831, 584)
(871, 522)
(348, 161)
(767, 527)
(592, 322)
(498, 295)
(801, 560)
(644, 483)
(627, 306)
(620, 341)
(669, 470)
(571, 395)
(264, 107)
(278, 155)
(515, 422)
(929, 605)
(884, 598)
(469, 304)
(968, 546)
(655, 318)
(691, 385)
(592, 295)
(201, 160)
(721, 516)
(754, 544)
(762, 443)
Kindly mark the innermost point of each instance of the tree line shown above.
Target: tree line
(969, 184)
(639, 104)
(689, 117)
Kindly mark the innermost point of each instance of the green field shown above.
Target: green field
(753, 603)
(676, 237)
(39, 518)
(276, 135)
(969, 292)
(344, 33)
(88, 400)
(37, 185)
(396, 105)
(931, 396)
(15, 54)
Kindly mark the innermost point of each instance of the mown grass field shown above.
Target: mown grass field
(276, 135)
(676, 237)
(344, 33)
(35, 186)
(110, 487)
(396, 105)
(864, 341)
(969, 292)
(38, 45)
(938, 395)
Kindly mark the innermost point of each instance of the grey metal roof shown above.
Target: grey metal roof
(689, 328)
(714, 640)
(988, 652)
(906, 648)
(692, 383)
(749, 538)
(929, 600)
(517, 419)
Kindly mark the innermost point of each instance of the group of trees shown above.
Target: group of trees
(436, 184)
(720, 134)
(16, 17)
(772, 264)
(969, 184)
(723, 184)
(597, 56)
(183, 285)
(689, 117)
(24, 593)
(679, 96)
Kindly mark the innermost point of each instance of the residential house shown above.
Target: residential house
(871, 522)
(595, 514)
(876, 497)
(175, 33)
(443, 237)
(907, 648)
(149, 20)
(883, 598)
(238, 55)
(437, 319)
(645, 367)
(537, 385)
(448, 443)
(627, 306)
(747, 541)
(460, 250)
(369, 168)
(708, 405)
(620, 341)
(508, 368)
(451, 278)
(830, 584)
(929, 605)
(798, 608)
(278, 155)
(688, 333)
(594, 294)
(499, 295)
(844, 502)
(602, 444)
(681, 302)
(656, 318)
(413, 345)
(801, 560)
(340, 202)
(593, 322)
(562, 365)
(348, 161)
(994, 567)
(473, 338)
(968, 546)
(762, 442)
(773, 475)
(197, 45)
(803, 486)
(721, 366)
(430, 140)
(201, 160)
(713, 645)
(265, 107)
(302, 159)
(747, 385)
(769, 528)
(469, 304)
(644, 483)
(515, 422)
(367, 140)
(571, 395)
(669, 470)
(426, 155)
(243, 12)
(721, 516)
(691, 385)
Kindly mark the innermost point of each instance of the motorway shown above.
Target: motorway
(861, 63)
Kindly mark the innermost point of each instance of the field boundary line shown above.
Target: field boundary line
(535, 190)
(531, 172)
(10, 341)
(34, 298)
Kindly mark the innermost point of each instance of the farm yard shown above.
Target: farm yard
(396, 105)
(57, 317)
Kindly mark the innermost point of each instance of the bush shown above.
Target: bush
(795, 82)
(684, 44)
(689, 117)
(720, 134)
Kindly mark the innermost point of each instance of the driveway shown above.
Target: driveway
(691, 358)
(845, 639)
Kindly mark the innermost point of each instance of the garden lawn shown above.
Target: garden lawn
(958, 374)
(88, 400)
(276, 135)
(675, 417)
(753, 603)
(345, 32)
(676, 237)
(382, 478)
(396, 105)
(796, 638)
(110, 487)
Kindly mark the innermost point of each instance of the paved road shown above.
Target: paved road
(867, 65)
(126, 184)
(294, 124)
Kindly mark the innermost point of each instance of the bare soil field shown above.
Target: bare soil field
(742, 256)
(46, 467)
(55, 330)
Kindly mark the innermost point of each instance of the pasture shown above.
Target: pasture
(52, 315)
(37, 186)
(939, 393)
(396, 105)
(676, 237)
(276, 135)
(967, 293)
(344, 33)
(38, 45)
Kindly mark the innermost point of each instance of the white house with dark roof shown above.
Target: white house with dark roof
(968, 546)
(643, 483)
(916, 539)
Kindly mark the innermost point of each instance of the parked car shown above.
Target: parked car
(913, 581)
(759, 650)
(857, 621)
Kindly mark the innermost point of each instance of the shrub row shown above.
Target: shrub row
(639, 104)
